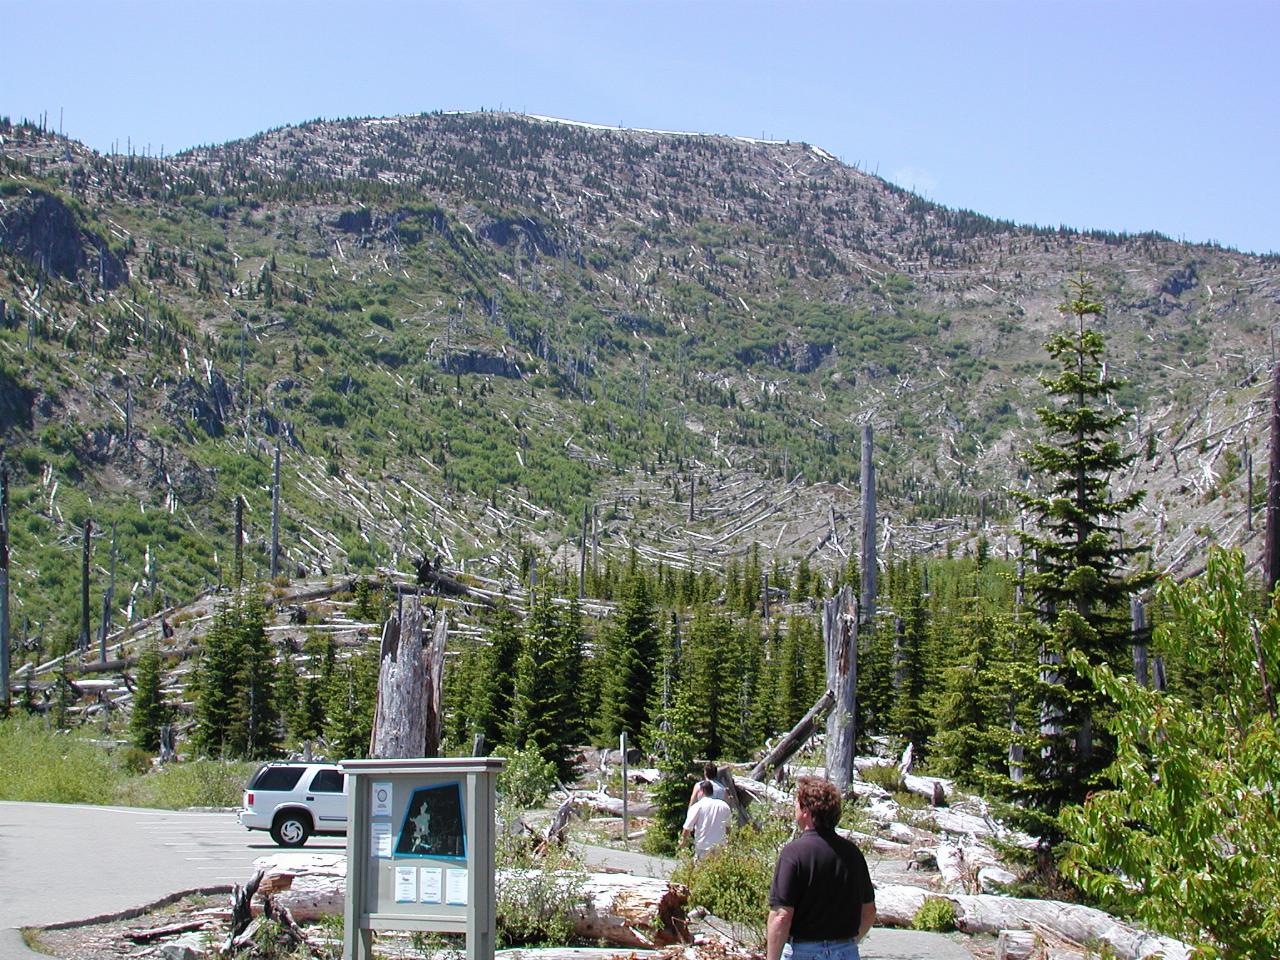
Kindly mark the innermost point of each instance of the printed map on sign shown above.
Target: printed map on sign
(433, 824)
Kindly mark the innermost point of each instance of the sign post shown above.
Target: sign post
(420, 850)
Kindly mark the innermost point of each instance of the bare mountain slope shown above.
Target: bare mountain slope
(465, 328)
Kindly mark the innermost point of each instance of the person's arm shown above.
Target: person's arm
(778, 930)
(868, 920)
(693, 794)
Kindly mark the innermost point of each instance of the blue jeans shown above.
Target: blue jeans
(820, 950)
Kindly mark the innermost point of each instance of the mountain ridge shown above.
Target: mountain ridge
(519, 317)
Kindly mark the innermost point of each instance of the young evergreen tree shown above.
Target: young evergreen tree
(628, 658)
(543, 713)
(216, 687)
(1081, 578)
(352, 697)
(150, 712)
(907, 719)
(256, 732)
(492, 673)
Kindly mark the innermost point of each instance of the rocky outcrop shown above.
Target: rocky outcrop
(41, 229)
(524, 230)
(207, 404)
(473, 361)
(16, 403)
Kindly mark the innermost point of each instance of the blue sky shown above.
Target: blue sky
(1121, 115)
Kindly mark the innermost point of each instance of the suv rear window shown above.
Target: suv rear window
(327, 781)
(276, 778)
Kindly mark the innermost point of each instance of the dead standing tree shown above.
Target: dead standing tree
(1271, 550)
(406, 720)
(840, 637)
(868, 480)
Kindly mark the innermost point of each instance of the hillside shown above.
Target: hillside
(466, 329)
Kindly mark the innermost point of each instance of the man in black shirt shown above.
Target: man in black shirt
(821, 902)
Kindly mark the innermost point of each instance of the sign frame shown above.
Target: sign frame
(377, 881)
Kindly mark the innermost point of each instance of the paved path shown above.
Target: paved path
(70, 862)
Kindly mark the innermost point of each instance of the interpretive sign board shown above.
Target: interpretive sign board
(420, 850)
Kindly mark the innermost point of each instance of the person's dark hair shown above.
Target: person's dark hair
(709, 772)
(821, 800)
(707, 789)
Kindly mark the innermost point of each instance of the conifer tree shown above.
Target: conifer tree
(492, 678)
(150, 712)
(907, 717)
(352, 696)
(801, 673)
(216, 687)
(256, 734)
(1081, 578)
(628, 658)
(543, 712)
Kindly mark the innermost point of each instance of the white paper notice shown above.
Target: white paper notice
(380, 840)
(429, 892)
(382, 799)
(455, 892)
(406, 884)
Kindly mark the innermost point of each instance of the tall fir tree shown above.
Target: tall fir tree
(1081, 577)
(350, 702)
(150, 711)
(628, 658)
(543, 711)
(491, 678)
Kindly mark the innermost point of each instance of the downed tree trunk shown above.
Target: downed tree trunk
(896, 906)
(796, 738)
(617, 908)
(602, 802)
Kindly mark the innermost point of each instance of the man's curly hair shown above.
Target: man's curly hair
(820, 799)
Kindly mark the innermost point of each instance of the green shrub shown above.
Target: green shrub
(49, 766)
(134, 761)
(733, 882)
(534, 895)
(527, 779)
(193, 783)
(888, 777)
(937, 914)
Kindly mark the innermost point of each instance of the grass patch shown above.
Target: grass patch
(53, 766)
(31, 937)
(195, 783)
(44, 765)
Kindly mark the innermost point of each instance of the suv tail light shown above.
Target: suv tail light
(248, 802)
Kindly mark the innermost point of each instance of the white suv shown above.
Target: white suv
(295, 800)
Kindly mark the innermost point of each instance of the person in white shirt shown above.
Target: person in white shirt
(707, 822)
(710, 774)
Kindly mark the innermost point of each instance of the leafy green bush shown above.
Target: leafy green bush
(135, 761)
(49, 766)
(887, 776)
(527, 779)
(534, 895)
(937, 914)
(733, 882)
(193, 783)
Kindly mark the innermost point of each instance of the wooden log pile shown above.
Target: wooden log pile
(618, 909)
(897, 905)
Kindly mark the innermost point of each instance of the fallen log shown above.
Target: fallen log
(616, 908)
(897, 904)
(157, 933)
(796, 738)
(603, 803)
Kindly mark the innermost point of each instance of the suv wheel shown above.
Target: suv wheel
(291, 829)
